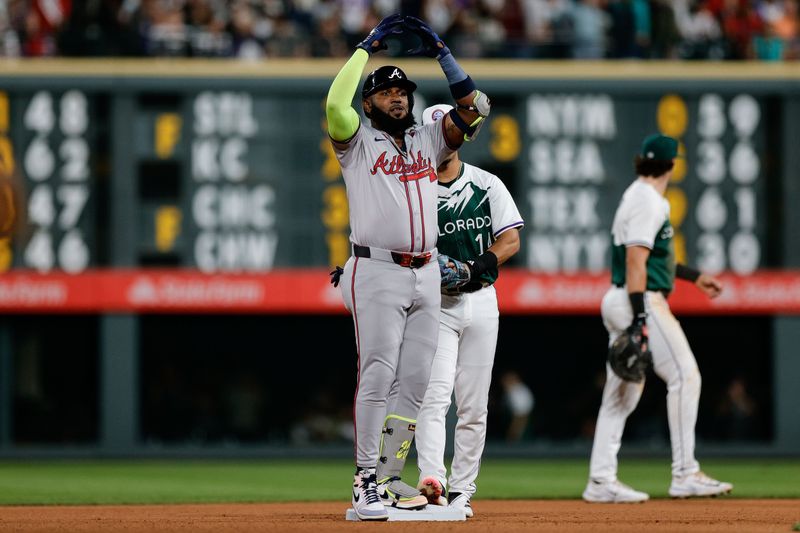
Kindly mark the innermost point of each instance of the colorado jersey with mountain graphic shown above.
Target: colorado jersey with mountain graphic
(642, 219)
(474, 210)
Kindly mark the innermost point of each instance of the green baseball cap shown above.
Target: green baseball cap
(660, 147)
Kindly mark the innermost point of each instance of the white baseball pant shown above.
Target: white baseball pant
(395, 313)
(673, 362)
(463, 363)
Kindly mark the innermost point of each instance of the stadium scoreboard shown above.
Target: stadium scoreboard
(48, 139)
(235, 174)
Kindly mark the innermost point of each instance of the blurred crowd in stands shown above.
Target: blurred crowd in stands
(539, 29)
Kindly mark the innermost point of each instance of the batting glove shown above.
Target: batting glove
(376, 40)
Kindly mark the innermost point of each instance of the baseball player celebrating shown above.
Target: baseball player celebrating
(391, 283)
(479, 225)
(643, 270)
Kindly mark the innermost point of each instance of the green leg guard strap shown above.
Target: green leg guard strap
(398, 434)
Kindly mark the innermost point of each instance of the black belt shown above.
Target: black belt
(665, 292)
(404, 259)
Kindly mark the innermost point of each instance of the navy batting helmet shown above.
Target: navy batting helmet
(388, 76)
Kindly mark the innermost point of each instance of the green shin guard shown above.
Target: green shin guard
(398, 435)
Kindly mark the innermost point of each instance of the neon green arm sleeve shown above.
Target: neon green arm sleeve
(343, 120)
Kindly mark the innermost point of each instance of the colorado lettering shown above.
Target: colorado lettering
(419, 168)
(465, 224)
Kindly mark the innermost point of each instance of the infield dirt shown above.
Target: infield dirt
(491, 515)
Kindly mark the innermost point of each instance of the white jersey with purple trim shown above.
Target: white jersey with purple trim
(474, 209)
(392, 193)
(642, 219)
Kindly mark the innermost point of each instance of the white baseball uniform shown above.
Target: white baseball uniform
(474, 210)
(642, 219)
(392, 199)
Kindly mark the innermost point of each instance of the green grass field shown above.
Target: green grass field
(147, 481)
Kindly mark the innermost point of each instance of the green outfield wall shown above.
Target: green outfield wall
(148, 186)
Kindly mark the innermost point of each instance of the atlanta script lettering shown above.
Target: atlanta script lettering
(415, 170)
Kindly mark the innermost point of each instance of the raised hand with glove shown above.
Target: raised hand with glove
(376, 39)
(432, 45)
(473, 106)
(343, 120)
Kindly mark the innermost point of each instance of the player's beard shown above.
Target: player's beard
(389, 124)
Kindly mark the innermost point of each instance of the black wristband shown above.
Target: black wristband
(637, 304)
(686, 272)
(462, 88)
(482, 264)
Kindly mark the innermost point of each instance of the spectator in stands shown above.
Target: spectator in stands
(43, 20)
(491, 28)
(642, 27)
(328, 40)
(288, 40)
(590, 24)
(787, 28)
(700, 30)
(205, 24)
(512, 17)
(623, 29)
(248, 31)
(461, 35)
(162, 28)
(10, 42)
(95, 28)
(779, 40)
(665, 36)
(549, 27)
(741, 25)
(524, 29)
(769, 10)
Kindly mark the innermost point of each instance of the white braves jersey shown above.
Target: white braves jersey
(640, 215)
(392, 194)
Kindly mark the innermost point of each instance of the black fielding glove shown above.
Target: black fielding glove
(628, 358)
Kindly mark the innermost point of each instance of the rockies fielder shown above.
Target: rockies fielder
(478, 223)
(643, 270)
(390, 285)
